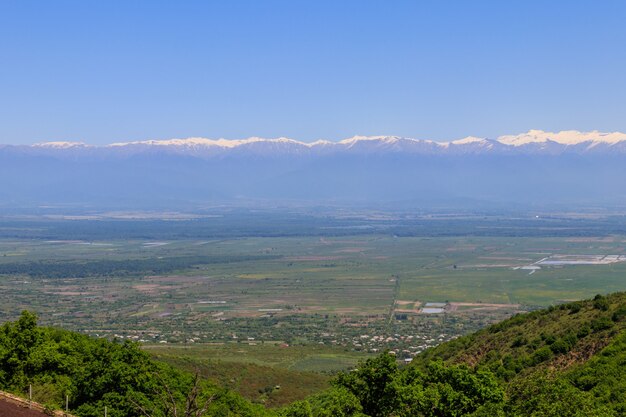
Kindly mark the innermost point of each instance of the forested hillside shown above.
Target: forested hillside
(563, 361)
(95, 373)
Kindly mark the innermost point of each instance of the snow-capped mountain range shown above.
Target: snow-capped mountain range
(534, 141)
(569, 168)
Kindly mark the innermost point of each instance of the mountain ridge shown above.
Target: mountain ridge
(359, 170)
(533, 141)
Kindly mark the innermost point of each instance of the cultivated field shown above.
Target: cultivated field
(286, 282)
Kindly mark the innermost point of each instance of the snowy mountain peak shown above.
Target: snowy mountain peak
(470, 140)
(356, 139)
(60, 145)
(533, 141)
(320, 143)
(564, 137)
(204, 142)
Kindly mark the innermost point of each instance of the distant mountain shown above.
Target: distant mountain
(536, 168)
(534, 141)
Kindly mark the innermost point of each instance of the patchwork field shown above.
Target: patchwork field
(362, 278)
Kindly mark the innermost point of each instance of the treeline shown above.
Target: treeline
(111, 268)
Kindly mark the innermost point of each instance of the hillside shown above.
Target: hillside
(563, 361)
(571, 356)
(557, 339)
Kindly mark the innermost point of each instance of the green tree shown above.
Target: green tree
(374, 385)
(449, 391)
(297, 409)
(336, 402)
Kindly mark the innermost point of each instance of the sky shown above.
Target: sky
(110, 71)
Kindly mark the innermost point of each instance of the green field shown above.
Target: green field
(268, 288)
(303, 268)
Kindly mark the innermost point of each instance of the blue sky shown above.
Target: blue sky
(106, 71)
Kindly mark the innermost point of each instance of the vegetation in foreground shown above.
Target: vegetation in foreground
(563, 361)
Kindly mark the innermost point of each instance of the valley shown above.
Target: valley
(220, 303)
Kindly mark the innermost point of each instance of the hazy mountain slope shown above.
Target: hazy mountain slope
(536, 168)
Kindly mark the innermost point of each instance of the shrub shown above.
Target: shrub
(619, 314)
(519, 341)
(601, 303)
(601, 323)
(575, 307)
(560, 346)
(541, 355)
(583, 331)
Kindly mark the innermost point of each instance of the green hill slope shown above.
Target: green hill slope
(557, 338)
(561, 356)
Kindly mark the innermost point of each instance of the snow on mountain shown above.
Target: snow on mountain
(470, 139)
(370, 139)
(60, 145)
(204, 142)
(380, 144)
(565, 137)
(584, 168)
(531, 142)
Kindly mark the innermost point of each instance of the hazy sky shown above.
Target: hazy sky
(106, 71)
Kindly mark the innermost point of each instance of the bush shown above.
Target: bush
(575, 307)
(583, 331)
(560, 346)
(600, 303)
(619, 314)
(541, 355)
(519, 341)
(549, 339)
(601, 323)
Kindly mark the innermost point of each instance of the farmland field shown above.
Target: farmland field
(185, 289)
